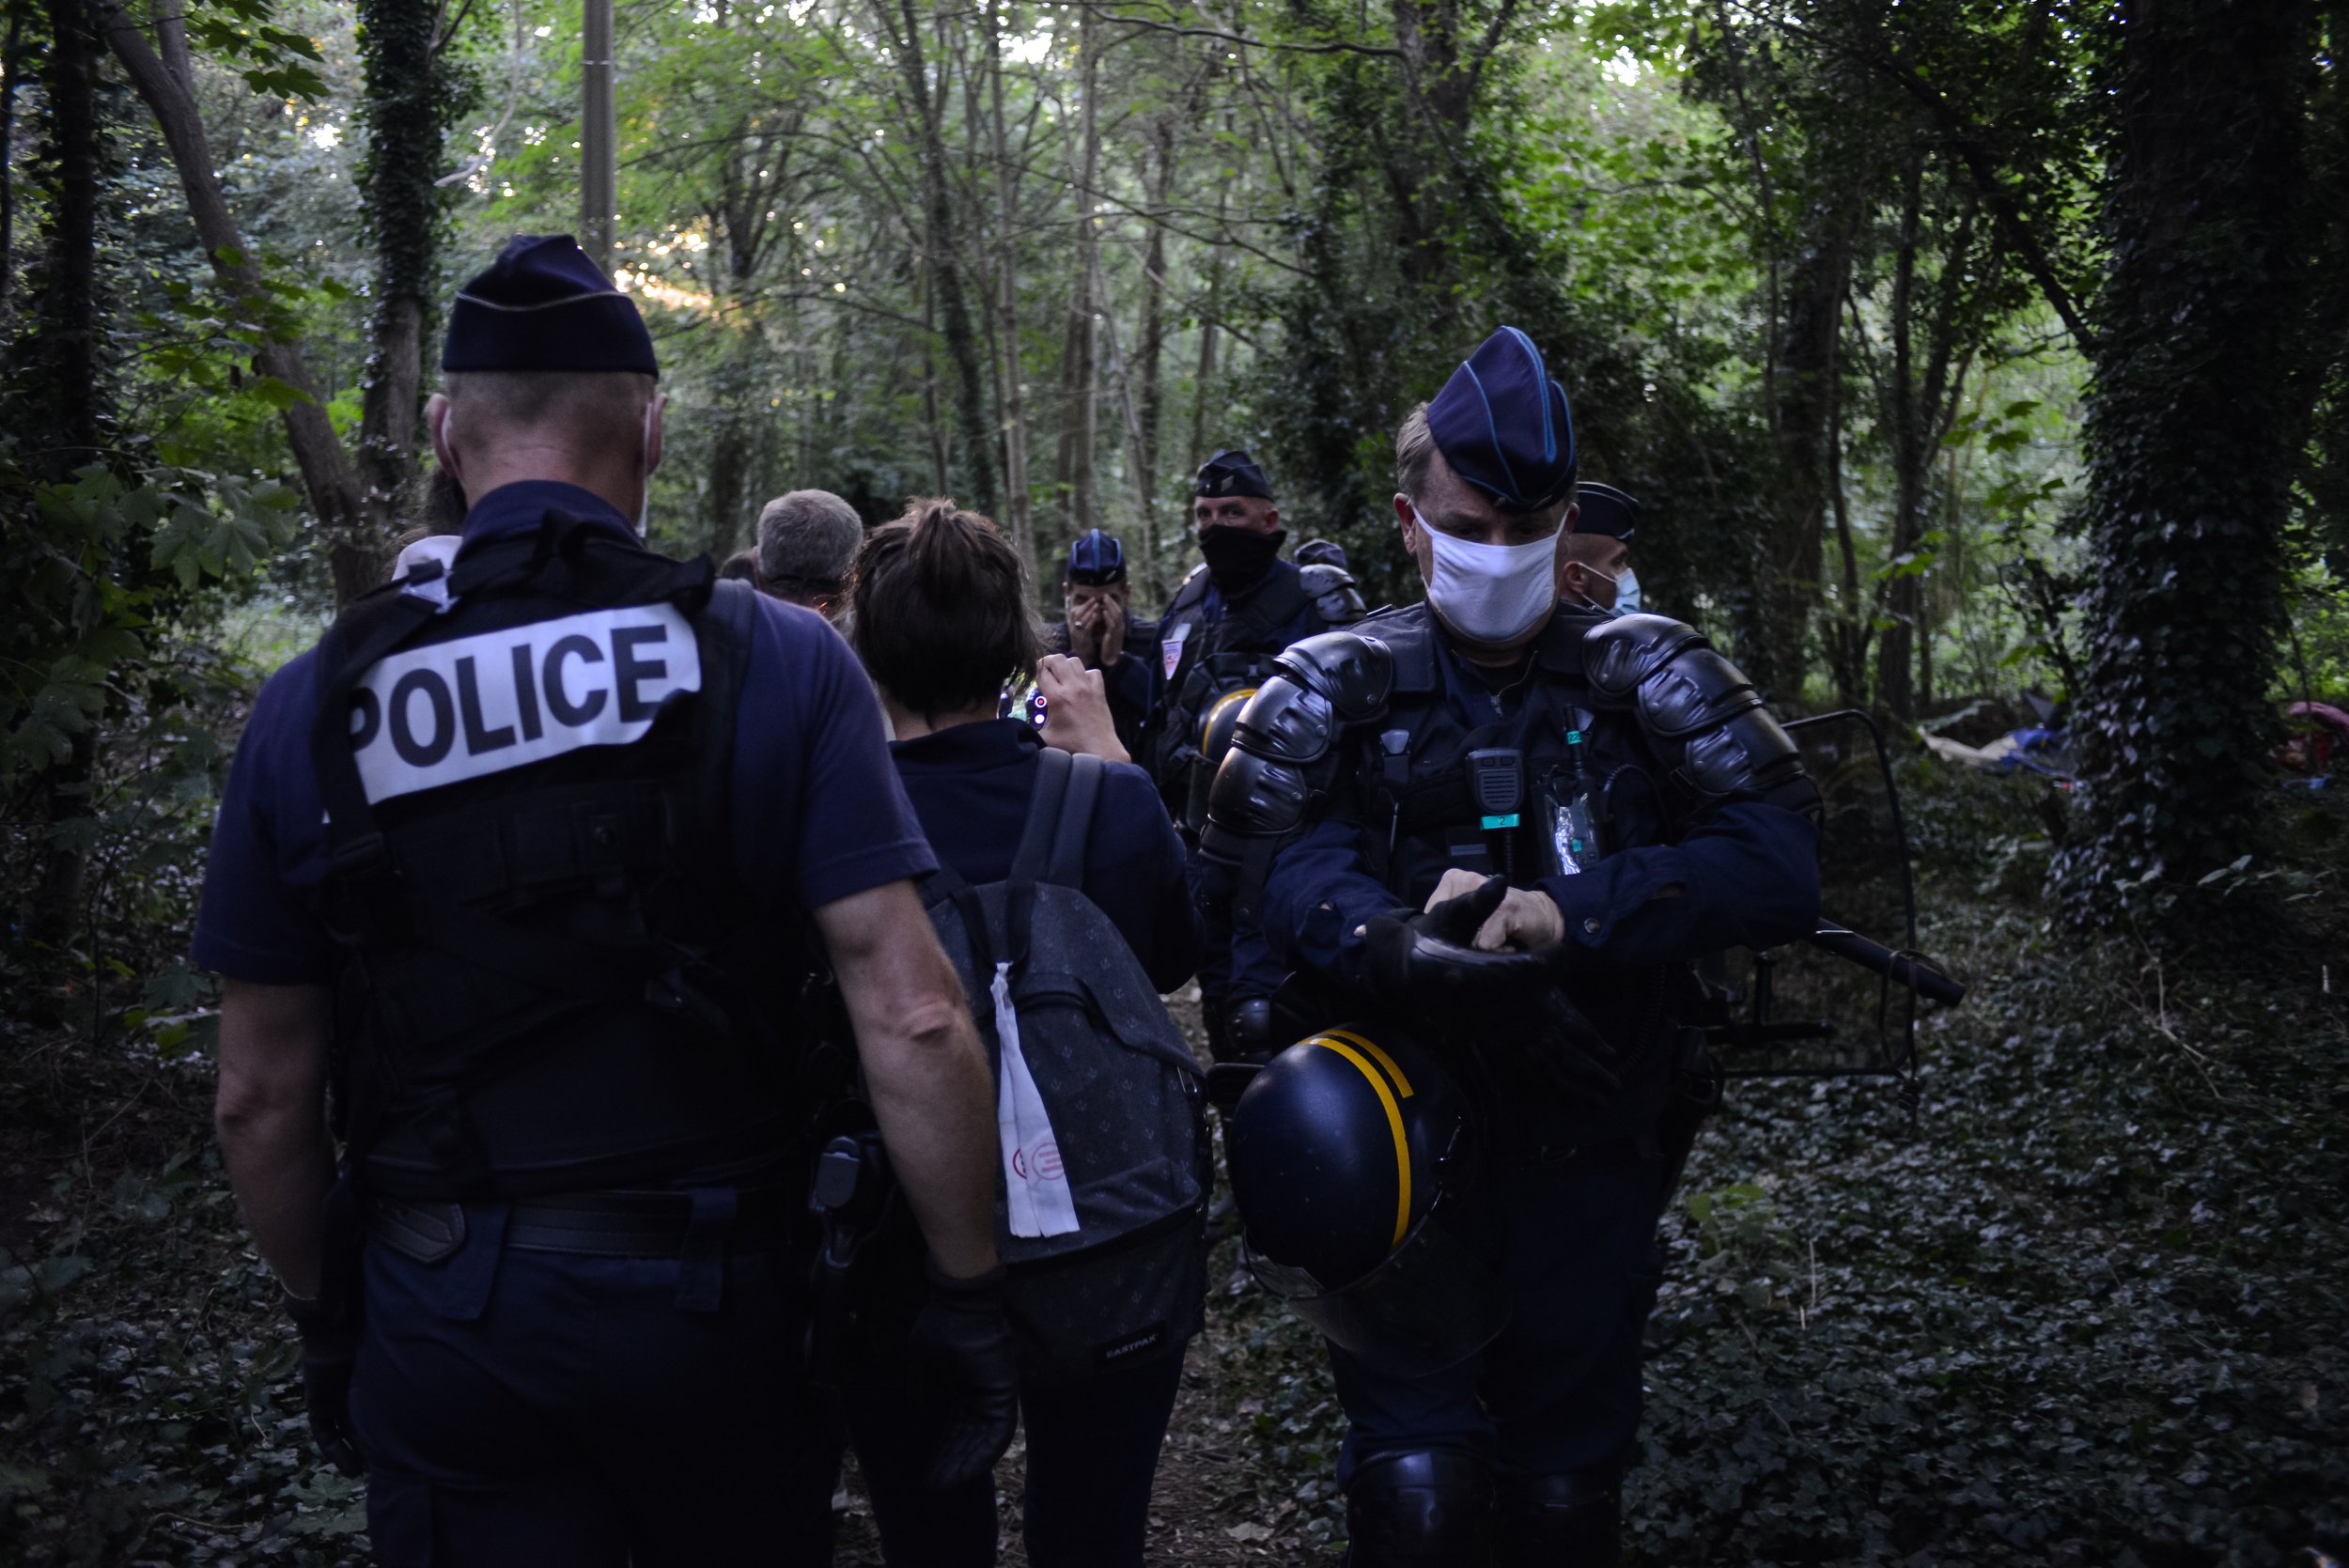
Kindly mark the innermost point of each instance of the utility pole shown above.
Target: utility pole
(598, 163)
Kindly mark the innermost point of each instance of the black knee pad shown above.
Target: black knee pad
(1562, 1521)
(1428, 1507)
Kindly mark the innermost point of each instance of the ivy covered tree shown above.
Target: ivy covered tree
(2193, 434)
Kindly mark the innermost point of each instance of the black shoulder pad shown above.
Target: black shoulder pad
(1619, 654)
(1337, 599)
(1700, 712)
(1353, 671)
(1288, 722)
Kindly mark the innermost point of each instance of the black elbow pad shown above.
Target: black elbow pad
(1700, 712)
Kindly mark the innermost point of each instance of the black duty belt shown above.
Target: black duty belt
(651, 1224)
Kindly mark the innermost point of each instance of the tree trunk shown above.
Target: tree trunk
(406, 106)
(66, 371)
(1807, 390)
(11, 52)
(326, 474)
(65, 311)
(944, 252)
(1148, 369)
(1006, 293)
(2191, 437)
(1894, 667)
(1080, 376)
(1850, 633)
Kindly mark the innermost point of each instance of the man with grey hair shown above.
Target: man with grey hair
(806, 541)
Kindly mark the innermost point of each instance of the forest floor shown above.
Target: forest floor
(2088, 1310)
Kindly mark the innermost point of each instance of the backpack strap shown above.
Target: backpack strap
(1068, 866)
(1034, 858)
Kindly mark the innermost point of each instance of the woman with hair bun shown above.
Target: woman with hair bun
(941, 616)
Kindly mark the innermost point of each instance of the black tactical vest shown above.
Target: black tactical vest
(551, 980)
(1429, 797)
(1221, 663)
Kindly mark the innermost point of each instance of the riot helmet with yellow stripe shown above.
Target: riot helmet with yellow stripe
(1353, 1167)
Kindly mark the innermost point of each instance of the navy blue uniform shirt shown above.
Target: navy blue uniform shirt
(971, 785)
(818, 812)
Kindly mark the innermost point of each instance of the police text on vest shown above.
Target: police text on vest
(456, 711)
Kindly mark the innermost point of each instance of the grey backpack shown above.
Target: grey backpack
(1101, 1199)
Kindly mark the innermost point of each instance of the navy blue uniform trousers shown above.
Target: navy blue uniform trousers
(521, 1407)
(1559, 1391)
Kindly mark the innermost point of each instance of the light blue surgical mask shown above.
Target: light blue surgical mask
(1626, 583)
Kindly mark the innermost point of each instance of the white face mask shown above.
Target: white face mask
(644, 508)
(1491, 593)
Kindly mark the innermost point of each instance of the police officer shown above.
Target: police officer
(1509, 824)
(1238, 608)
(1596, 555)
(1100, 630)
(516, 861)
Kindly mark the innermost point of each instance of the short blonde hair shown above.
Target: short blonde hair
(1414, 452)
(590, 407)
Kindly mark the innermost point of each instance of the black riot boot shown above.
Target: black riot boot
(1431, 1507)
(1562, 1521)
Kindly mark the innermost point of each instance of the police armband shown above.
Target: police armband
(1337, 599)
(1698, 710)
(1284, 748)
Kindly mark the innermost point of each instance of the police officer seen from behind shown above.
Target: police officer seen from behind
(1100, 631)
(1217, 641)
(941, 618)
(1633, 806)
(516, 861)
(1594, 570)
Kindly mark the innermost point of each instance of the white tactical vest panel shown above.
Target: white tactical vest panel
(456, 711)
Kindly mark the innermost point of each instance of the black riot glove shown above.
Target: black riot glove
(1564, 1048)
(1429, 962)
(330, 1351)
(960, 1348)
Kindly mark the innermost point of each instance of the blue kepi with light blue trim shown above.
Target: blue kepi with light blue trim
(543, 306)
(1505, 425)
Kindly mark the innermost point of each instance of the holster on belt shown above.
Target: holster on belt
(853, 1192)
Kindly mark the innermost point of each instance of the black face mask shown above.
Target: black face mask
(1238, 557)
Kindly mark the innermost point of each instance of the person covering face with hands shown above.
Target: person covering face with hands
(1463, 818)
(1100, 634)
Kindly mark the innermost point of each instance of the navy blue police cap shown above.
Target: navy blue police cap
(1605, 510)
(1097, 560)
(543, 306)
(1504, 427)
(1232, 472)
(1320, 552)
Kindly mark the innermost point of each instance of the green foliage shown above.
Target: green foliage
(88, 572)
(275, 61)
